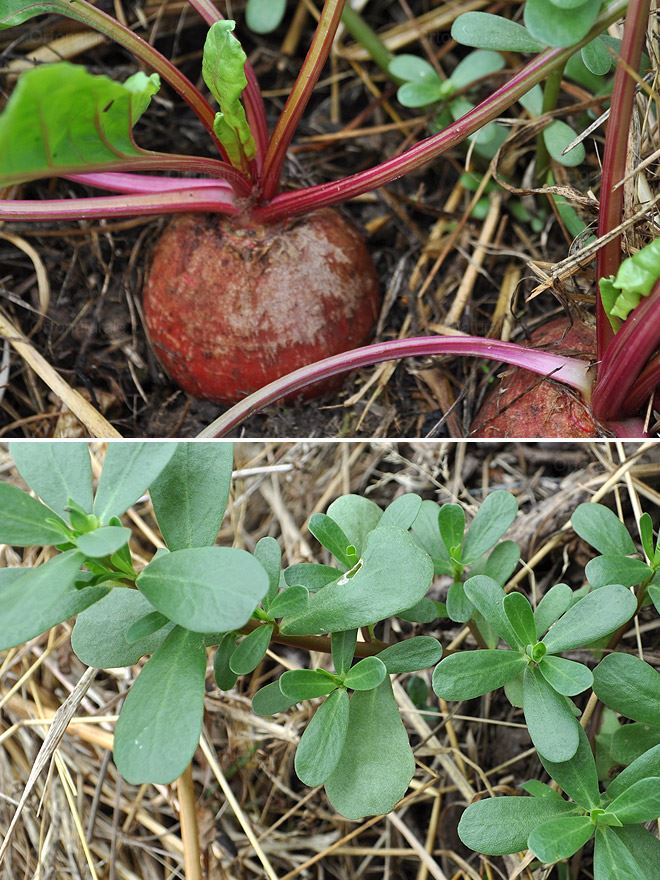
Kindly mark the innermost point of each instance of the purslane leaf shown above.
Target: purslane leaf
(205, 589)
(551, 724)
(640, 802)
(495, 515)
(426, 535)
(104, 541)
(502, 561)
(647, 765)
(366, 674)
(56, 472)
(486, 31)
(600, 527)
(629, 686)
(161, 720)
(451, 522)
(128, 471)
(41, 137)
(357, 517)
(269, 554)
(578, 777)
(343, 649)
(487, 596)
(502, 825)
(251, 650)
(546, 25)
(264, 16)
(270, 700)
(521, 617)
(561, 837)
(629, 572)
(566, 676)
(190, 494)
(321, 744)
(471, 674)
(307, 684)
(24, 521)
(596, 615)
(331, 536)
(291, 601)
(551, 607)
(376, 763)
(39, 598)
(410, 655)
(402, 512)
(613, 860)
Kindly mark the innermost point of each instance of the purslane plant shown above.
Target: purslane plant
(189, 326)
(377, 564)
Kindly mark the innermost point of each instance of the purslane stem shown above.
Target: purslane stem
(617, 134)
(301, 201)
(569, 371)
(300, 94)
(367, 38)
(551, 94)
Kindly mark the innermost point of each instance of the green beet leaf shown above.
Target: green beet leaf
(104, 541)
(493, 518)
(289, 602)
(251, 650)
(331, 536)
(502, 825)
(264, 16)
(561, 837)
(223, 69)
(600, 527)
(357, 517)
(410, 655)
(629, 686)
(554, 28)
(40, 136)
(366, 674)
(521, 617)
(128, 471)
(471, 674)
(269, 554)
(402, 512)
(343, 649)
(577, 777)
(24, 521)
(566, 676)
(552, 726)
(638, 803)
(376, 763)
(270, 700)
(485, 31)
(205, 589)
(604, 570)
(161, 720)
(307, 684)
(224, 676)
(15, 12)
(645, 766)
(35, 599)
(598, 614)
(557, 136)
(100, 636)
(321, 744)
(551, 607)
(395, 574)
(56, 472)
(190, 494)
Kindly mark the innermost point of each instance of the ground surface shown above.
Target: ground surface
(134, 832)
(87, 276)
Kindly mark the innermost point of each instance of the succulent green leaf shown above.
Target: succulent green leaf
(146, 626)
(552, 726)
(321, 744)
(343, 649)
(24, 521)
(357, 517)
(470, 674)
(502, 825)
(366, 674)
(307, 684)
(310, 575)
(502, 561)
(35, 599)
(600, 527)
(451, 522)
(614, 860)
(596, 57)
(427, 535)
(289, 602)
(645, 766)
(629, 572)
(394, 575)
(424, 611)
(104, 541)
(421, 94)
(566, 676)
(487, 596)
(15, 12)
(459, 607)
(410, 655)
(646, 849)
(557, 136)
(251, 650)
(521, 617)
(56, 472)
(551, 607)
(640, 802)
(476, 65)
(485, 31)
(270, 700)
(412, 68)
(269, 554)
(224, 676)
(402, 512)
(100, 636)
(561, 837)
(41, 137)
(264, 16)
(376, 763)
(190, 494)
(161, 719)
(596, 615)
(556, 29)
(331, 536)
(646, 534)
(223, 69)
(629, 686)
(205, 589)
(577, 777)
(493, 518)
(128, 471)
(630, 741)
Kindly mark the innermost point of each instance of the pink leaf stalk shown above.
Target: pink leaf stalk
(144, 183)
(569, 371)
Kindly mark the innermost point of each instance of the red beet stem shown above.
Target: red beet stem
(570, 371)
(144, 183)
(301, 201)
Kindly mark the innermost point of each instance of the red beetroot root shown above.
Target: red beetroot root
(230, 309)
(523, 404)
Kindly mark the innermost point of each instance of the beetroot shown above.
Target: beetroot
(523, 404)
(230, 309)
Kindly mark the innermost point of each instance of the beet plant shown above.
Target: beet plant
(227, 276)
(194, 597)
